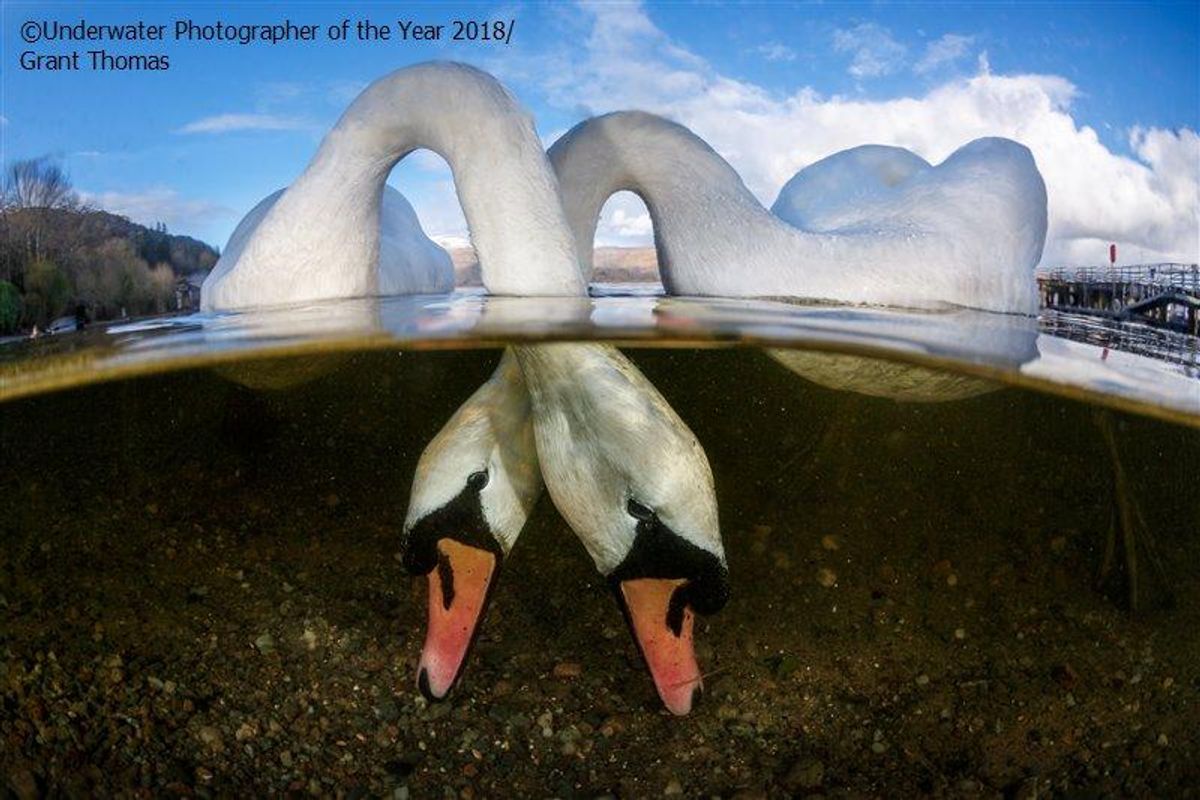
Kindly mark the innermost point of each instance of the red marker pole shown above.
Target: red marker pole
(1112, 254)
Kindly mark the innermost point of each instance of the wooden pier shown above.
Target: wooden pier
(1163, 295)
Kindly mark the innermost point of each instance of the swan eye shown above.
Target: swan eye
(638, 510)
(477, 480)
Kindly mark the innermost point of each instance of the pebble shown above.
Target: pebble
(826, 577)
(211, 738)
(878, 748)
(922, 679)
(831, 543)
(567, 669)
(674, 788)
(960, 633)
(265, 643)
(805, 774)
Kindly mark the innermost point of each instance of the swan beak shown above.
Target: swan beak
(459, 588)
(663, 630)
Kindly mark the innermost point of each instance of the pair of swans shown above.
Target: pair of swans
(870, 225)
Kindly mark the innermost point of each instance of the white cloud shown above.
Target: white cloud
(774, 51)
(943, 51)
(876, 53)
(158, 205)
(1146, 200)
(227, 123)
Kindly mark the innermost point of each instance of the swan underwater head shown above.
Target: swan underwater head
(474, 487)
(634, 484)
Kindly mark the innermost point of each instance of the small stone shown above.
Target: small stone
(674, 788)
(1168, 682)
(960, 633)
(1162, 740)
(285, 758)
(309, 639)
(211, 738)
(565, 670)
(204, 774)
(826, 577)
(265, 644)
(805, 774)
(878, 748)
(245, 731)
(922, 679)
(829, 542)
(1064, 675)
(952, 579)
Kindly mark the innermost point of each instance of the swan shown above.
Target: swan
(337, 233)
(871, 224)
(967, 232)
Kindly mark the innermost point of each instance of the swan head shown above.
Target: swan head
(634, 484)
(474, 487)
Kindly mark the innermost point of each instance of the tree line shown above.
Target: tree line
(59, 256)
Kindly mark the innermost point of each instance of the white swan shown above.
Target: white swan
(871, 224)
(322, 237)
(967, 232)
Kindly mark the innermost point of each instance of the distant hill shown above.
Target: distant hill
(612, 265)
(59, 260)
(65, 229)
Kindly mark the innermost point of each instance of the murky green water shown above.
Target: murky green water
(200, 586)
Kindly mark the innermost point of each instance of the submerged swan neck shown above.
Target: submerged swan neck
(684, 183)
(504, 182)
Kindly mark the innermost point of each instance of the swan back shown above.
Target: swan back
(836, 191)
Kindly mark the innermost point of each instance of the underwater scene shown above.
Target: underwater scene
(954, 554)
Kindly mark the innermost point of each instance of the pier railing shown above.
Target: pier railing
(1166, 295)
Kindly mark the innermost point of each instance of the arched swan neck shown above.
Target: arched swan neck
(469, 119)
(675, 173)
(505, 184)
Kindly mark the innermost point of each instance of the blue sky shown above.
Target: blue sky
(199, 144)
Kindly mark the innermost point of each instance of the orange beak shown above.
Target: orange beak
(665, 639)
(458, 593)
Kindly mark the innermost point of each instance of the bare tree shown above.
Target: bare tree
(38, 183)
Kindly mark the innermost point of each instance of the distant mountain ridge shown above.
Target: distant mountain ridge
(612, 265)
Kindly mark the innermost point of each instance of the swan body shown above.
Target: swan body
(409, 262)
(967, 232)
(322, 237)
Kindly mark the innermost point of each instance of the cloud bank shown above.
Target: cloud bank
(1148, 202)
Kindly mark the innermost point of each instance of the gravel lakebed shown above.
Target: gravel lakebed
(200, 595)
